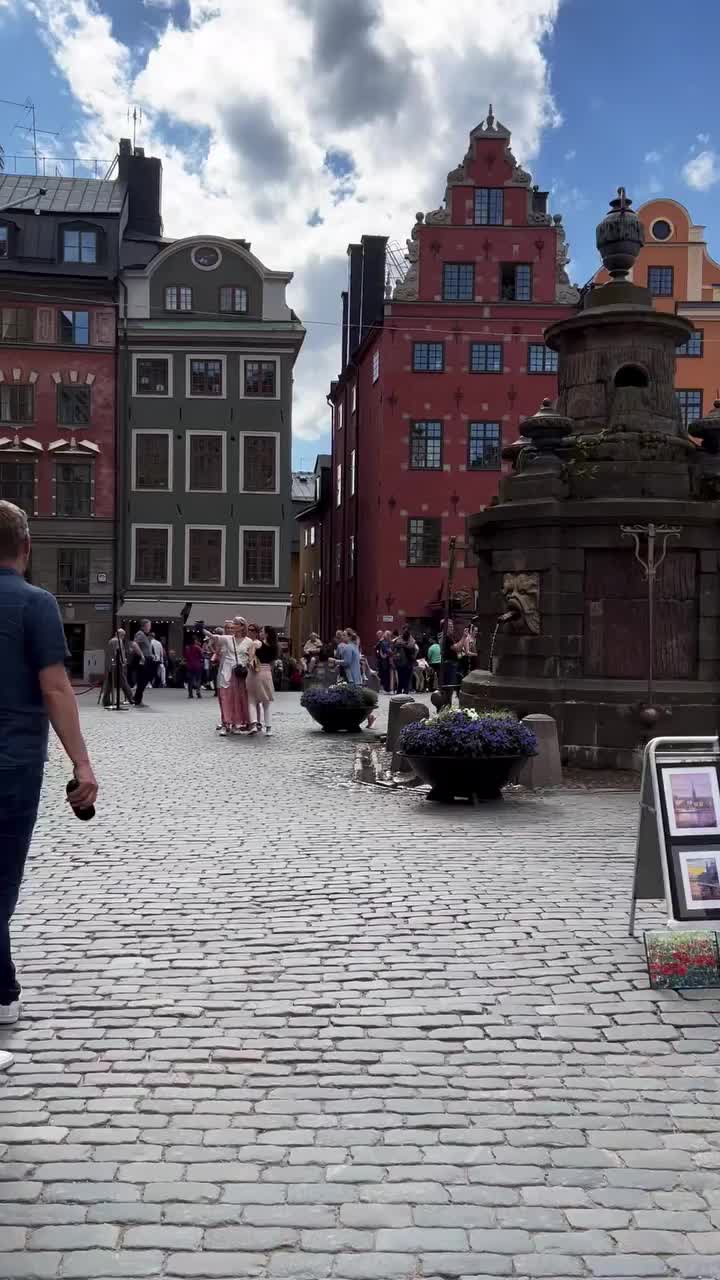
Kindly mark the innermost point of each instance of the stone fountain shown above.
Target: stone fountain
(600, 558)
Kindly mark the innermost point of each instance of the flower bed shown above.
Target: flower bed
(340, 706)
(466, 752)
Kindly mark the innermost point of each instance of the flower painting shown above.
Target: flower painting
(681, 958)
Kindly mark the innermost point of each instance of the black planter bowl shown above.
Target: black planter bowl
(472, 779)
(340, 719)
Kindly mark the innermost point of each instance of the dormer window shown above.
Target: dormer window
(79, 245)
(178, 297)
(233, 298)
(4, 241)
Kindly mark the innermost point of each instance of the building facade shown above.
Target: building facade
(59, 252)
(674, 264)
(314, 555)
(207, 349)
(435, 381)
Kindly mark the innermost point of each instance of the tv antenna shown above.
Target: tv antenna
(136, 116)
(29, 106)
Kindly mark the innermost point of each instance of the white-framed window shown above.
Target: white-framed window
(178, 297)
(151, 554)
(205, 377)
(259, 377)
(259, 556)
(206, 462)
(353, 468)
(353, 398)
(259, 461)
(79, 245)
(339, 416)
(376, 364)
(233, 298)
(312, 535)
(152, 374)
(338, 485)
(152, 460)
(305, 540)
(204, 555)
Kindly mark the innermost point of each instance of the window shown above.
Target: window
(312, 535)
(661, 229)
(204, 556)
(258, 557)
(73, 406)
(16, 324)
(73, 489)
(693, 346)
(426, 446)
(458, 282)
(206, 378)
(259, 463)
(489, 206)
(178, 297)
(690, 404)
(428, 357)
(305, 542)
(375, 360)
(338, 561)
(75, 328)
(79, 246)
(205, 467)
(338, 485)
(486, 357)
(351, 556)
(484, 446)
(541, 359)
(660, 282)
(233, 298)
(339, 417)
(152, 451)
(152, 376)
(516, 282)
(17, 402)
(206, 257)
(260, 377)
(17, 483)
(151, 556)
(4, 242)
(353, 398)
(423, 540)
(73, 571)
(353, 466)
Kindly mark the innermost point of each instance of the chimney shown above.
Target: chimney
(143, 177)
(344, 350)
(373, 282)
(354, 297)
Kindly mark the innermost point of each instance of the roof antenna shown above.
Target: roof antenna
(136, 116)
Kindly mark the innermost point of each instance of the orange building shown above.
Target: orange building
(677, 269)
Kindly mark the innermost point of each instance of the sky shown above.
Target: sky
(301, 125)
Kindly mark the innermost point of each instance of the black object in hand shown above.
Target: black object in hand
(83, 814)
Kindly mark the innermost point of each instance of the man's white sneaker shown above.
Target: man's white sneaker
(6, 1060)
(9, 1013)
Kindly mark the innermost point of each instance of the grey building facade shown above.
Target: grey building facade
(207, 349)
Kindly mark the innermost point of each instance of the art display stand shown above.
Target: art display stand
(677, 858)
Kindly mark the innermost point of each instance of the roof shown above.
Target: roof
(64, 195)
(303, 486)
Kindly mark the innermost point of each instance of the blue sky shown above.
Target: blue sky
(302, 124)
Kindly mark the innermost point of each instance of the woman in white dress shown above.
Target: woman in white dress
(233, 652)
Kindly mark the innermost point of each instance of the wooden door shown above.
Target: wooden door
(616, 617)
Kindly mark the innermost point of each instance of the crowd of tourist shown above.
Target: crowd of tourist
(402, 662)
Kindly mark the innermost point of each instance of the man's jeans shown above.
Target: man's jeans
(19, 798)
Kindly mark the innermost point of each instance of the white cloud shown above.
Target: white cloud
(653, 157)
(571, 154)
(245, 104)
(702, 171)
(704, 138)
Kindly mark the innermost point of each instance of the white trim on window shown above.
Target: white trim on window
(205, 355)
(207, 244)
(198, 432)
(254, 358)
(186, 571)
(259, 528)
(353, 398)
(241, 436)
(151, 431)
(376, 364)
(338, 485)
(147, 524)
(152, 355)
(353, 471)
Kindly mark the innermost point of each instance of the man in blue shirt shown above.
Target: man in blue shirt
(34, 689)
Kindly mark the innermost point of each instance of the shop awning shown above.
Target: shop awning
(152, 609)
(271, 613)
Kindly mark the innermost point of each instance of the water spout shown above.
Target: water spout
(494, 638)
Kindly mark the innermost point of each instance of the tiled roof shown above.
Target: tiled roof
(63, 195)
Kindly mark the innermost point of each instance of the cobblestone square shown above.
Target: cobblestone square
(278, 1025)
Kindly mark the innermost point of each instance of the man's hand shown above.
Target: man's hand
(85, 794)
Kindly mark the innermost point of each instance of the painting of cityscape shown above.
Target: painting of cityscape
(701, 878)
(692, 800)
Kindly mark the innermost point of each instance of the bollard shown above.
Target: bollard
(393, 727)
(542, 770)
(406, 714)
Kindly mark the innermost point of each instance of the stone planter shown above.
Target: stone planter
(340, 719)
(480, 778)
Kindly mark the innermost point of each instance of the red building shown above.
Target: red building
(436, 379)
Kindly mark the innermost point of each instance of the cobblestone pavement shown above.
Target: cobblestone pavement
(281, 1026)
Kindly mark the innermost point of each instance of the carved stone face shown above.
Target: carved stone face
(522, 598)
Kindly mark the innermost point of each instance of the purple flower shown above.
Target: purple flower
(455, 733)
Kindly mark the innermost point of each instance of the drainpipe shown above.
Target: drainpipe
(120, 401)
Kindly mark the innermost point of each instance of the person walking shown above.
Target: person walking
(449, 675)
(144, 661)
(434, 657)
(232, 649)
(405, 650)
(348, 654)
(194, 665)
(383, 651)
(158, 657)
(260, 685)
(116, 670)
(34, 690)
